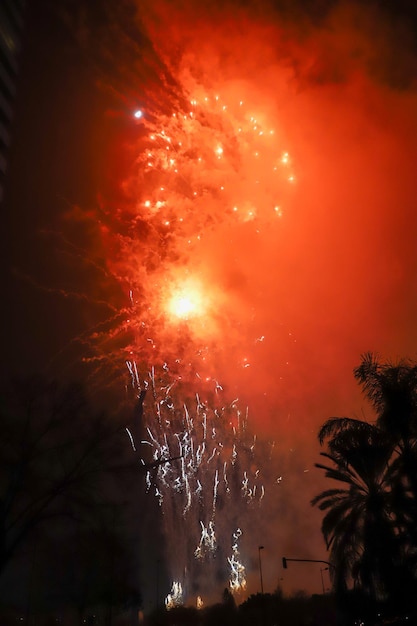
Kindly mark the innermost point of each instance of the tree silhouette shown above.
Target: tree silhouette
(370, 522)
(59, 458)
(358, 522)
(392, 392)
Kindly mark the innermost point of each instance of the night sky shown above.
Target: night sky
(292, 297)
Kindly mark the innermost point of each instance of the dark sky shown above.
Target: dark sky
(51, 167)
(336, 278)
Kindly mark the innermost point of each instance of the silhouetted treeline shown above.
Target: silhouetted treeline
(258, 610)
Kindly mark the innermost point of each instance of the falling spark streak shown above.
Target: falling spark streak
(216, 485)
(207, 541)
(215, 455)
(225, 477)
(237, 579)
(175, 598)
(131, 439)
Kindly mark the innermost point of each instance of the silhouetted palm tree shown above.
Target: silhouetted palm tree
(370, 525)
(358, 527)
(392, 391)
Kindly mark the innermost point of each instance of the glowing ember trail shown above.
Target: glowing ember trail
(175, 598)
(212, 483)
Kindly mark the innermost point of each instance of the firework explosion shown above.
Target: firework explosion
(197, 178)
(212, 172)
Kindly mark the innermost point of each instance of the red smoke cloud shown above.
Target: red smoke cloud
(294, 296)
(317, 264)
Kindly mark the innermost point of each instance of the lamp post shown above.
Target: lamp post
(260, 568)
(157, 584)
(322, 580)
(285, 561)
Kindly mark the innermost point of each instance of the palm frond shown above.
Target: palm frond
(335, 426)
(329, 493)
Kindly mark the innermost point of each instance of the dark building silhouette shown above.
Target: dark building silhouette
(11, 25)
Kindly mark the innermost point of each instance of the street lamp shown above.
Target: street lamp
(157, 583)
(322, 581)
(260, 568)
(285, 561)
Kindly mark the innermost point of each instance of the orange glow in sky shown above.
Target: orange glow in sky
(284, 180)
(272, 177)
